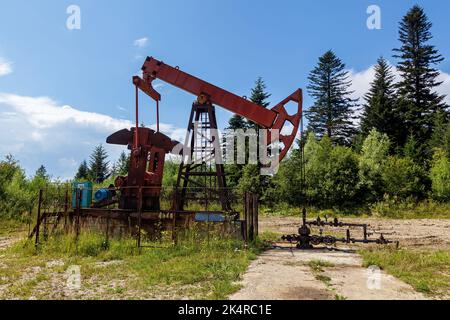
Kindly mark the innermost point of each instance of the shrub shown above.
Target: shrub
(440, 176)
(251, 180)
(374, 153)
(286, 186)
(403, 178)
(18, 197)
(331, 173)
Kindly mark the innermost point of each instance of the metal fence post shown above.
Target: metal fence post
(38, 222)
(255, 215)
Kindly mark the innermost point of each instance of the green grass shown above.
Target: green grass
(318, 272)
(318, 265)
(426, 271)
(389, 208)
(411, 210)
(11, 226)
(196, 268)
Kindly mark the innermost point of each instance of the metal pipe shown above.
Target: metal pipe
(136, 135)
(157, 115)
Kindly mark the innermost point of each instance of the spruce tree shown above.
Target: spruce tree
(331, 114)
(41, 173)
(235, 172)
(259, 96)
(98, 166)
(237, 122)
(418, 101)
(379, 113)
(123, 164)
(83, 171)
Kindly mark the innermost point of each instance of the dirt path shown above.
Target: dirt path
(283, 273)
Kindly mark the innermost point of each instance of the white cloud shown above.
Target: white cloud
(38, 130)
(445, 86)
(361, 81)
(141, 43)
(5, 67)
(158, 85)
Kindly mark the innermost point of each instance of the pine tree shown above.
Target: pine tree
(41, 173)
(259, 96)
(98, 166)
(235, 172)
(379, 110)
(237, 122)
(418, 101)
(83, 171)
(331, 114)
(123, 164)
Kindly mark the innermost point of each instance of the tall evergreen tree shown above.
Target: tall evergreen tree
(331, 114)
(237, 122)
(41, 173)
(237, 173)
(379, 110)
(98, 166)
(83, 171)
(233, 170)
(259, 96)
(418, 101)
(123, 163)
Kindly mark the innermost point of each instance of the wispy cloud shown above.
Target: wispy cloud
(121, 108)
(39, 130)
(141, 43)
(5, 67)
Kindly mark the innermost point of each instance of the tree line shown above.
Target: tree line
(98, 170)
(396, 142)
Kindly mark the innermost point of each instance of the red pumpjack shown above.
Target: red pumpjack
(149, 147)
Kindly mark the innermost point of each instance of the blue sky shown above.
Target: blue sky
(63, 91)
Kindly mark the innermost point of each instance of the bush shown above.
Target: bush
(251, 180)
(17, 196)
(331, 173)
(374, 153)
(440, 176)
(341, 180)
(286, 186)
(403, 178)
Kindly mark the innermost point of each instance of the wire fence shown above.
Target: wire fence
(151, 217)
